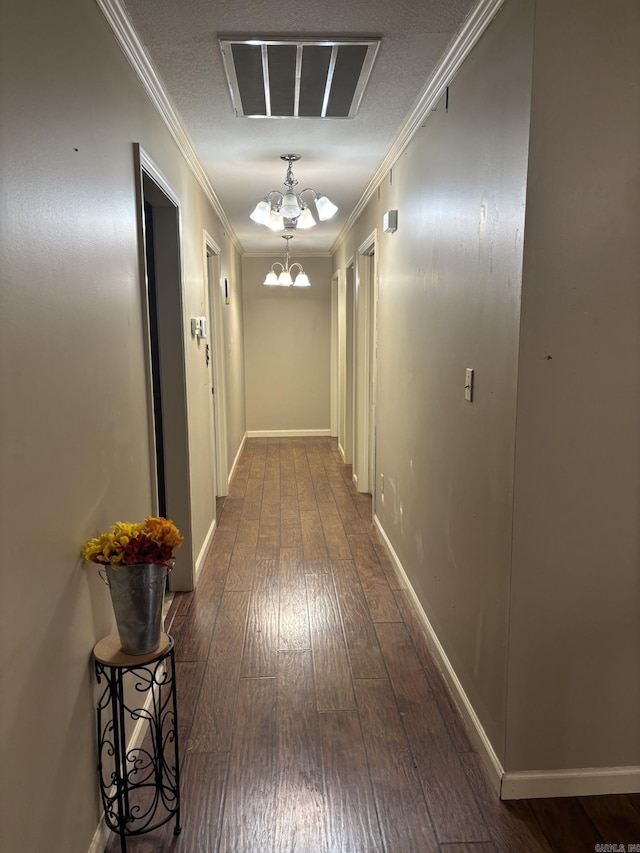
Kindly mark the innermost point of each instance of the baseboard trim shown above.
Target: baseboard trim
(341, 452)
(235, 461)
(516, 785)
(100, 838)
(476, 732)
(580, 782)
(286, 433)
(205, 549)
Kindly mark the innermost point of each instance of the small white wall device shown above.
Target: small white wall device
(199, 327)
(390, 221)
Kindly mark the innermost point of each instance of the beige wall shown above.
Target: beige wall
(73, 410)
(574, 674)
(449, 296)
(287, 346)
(516, 516)
(564, 691)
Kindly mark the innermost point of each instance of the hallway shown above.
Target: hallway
(312, 717)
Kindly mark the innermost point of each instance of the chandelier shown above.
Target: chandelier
(277, 208)
(285, 279)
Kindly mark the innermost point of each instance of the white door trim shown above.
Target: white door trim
(219, 409)
(341, 369)
(173, 372)
(350, 381)
(335, 357)
(145, 164)
(365, 367)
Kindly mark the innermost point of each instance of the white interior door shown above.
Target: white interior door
(161, 274)
(209, 344)
(373, 349)
(349, 364)
(365, 372)
(216, 350)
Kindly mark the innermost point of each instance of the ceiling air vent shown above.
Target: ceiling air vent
(282, 78)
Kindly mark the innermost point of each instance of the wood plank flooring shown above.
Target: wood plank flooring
(312, 716)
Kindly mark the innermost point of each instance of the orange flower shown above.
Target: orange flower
(163, 531)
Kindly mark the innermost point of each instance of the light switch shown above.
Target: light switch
(468, 384)
(199, 327)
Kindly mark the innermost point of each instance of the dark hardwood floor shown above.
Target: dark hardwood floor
(312, 717)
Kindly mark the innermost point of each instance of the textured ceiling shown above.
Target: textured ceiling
(242, 155)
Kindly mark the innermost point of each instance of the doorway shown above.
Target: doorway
(216, 353)
(163, 317)
(154, 345)
(349, 366)
(345, 363)
(364, 462)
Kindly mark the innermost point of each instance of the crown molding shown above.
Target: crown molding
(139, 60)
(478, 20)
(472, 29)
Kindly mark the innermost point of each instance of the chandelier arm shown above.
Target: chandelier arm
(304, 204)
(286, 269)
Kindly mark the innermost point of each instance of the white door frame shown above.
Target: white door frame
(173, 368)
(215, 299)
(365, 365)
(335, 357)
(350, 360)
(345, 359)
(341, 357)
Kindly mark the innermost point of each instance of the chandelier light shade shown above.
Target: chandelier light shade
(306, 220)
(284, 278)
(275, 221)
(326, 209)
(261, 212)
(278, 210)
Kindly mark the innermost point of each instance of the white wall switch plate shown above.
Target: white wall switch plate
(468, 384)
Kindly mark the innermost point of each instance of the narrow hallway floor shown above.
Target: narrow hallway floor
(312, 716)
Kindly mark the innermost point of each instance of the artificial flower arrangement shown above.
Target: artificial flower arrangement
(128, 544)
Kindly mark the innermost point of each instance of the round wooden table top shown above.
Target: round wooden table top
(109, 651)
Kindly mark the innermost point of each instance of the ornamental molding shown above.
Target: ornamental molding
(140, 61)
(479, 19)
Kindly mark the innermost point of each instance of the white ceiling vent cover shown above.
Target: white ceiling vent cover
(301, 78)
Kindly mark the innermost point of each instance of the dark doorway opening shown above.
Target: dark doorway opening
(155, 355)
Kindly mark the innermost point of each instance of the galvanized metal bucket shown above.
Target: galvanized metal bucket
(137, 594)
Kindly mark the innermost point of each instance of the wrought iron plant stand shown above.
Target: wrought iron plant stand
(139, 784)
